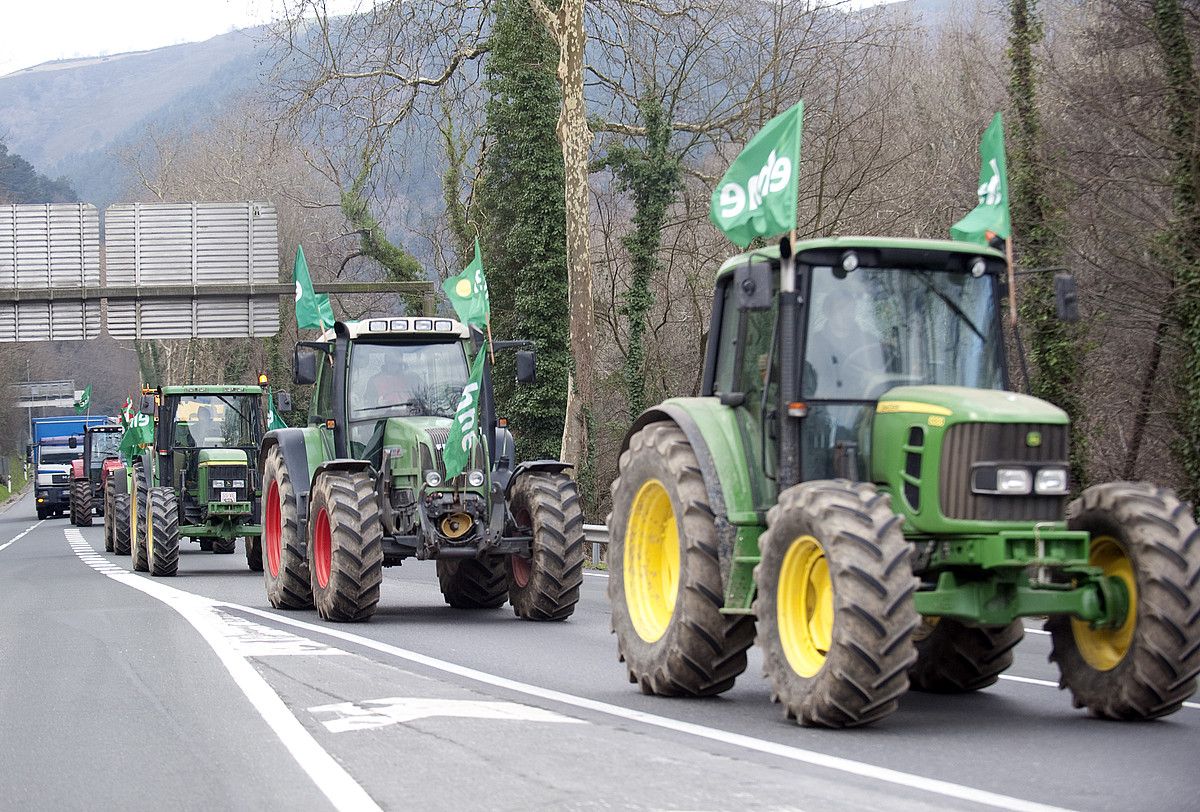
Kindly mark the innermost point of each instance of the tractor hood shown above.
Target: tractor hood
(966, 405)
(416, 444)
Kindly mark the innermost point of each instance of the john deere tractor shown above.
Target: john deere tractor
(198, 480)
(90, 472)
(857, 481)
(364, 485)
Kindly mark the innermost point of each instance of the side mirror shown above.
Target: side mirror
(283, 401)
(147, 405)
(752, 282)
(73, 442)
(1066, 297)
(304, 366)
(526, 366)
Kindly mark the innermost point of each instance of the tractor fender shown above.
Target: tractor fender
(341, 464)
(77, 469)
(529, 466)
(681, 417)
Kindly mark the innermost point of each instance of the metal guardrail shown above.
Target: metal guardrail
(596, 535)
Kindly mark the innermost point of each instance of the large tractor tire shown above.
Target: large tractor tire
(345, 546)
(224, 546)
(138, 513)
(286, 571)
(206, 545)
(254, 555)
(664, 581)
(162, 532)
(546, 585)
(109, 496)
(120, 510)
(954, 658)
(1147, 667)
(73, 508)
(469, 583)
(82, 502)
(834, 606)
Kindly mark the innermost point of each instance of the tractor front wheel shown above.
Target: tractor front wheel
(664, 584)
(1146, 538)
(471, 583)
(83, 504)
(345, 546)
(120, 527)
(286, 570)
(109, 496)
(546, 585)
(162, 533)
(954, 658)
(834, 606)
(254, 556)
(224, 546)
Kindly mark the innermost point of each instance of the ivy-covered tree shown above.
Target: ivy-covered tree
(524, 223)
(1054, 345)
(651, 174)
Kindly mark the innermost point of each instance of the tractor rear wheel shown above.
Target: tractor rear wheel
(954, 658)
(1145, 537)
(834, 606)
(206, 545)
(224, 546)
(664, 584)
(120, 526)
(138, 514)
(345, 546)
(286, 569)
(162, 532)
(546, 585)
(109, 496)
(254, 556)
(471, 583)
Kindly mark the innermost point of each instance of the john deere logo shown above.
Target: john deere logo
(1033, 439)
(463, 288)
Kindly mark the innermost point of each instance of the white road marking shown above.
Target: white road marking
(400, 709)
(1030, 630)
(343, 792)
(250, 639)
(862, 769)
(596, 574)
(20, 535)
(1052, 684)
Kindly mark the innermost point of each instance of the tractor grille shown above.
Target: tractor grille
(968, 443)
(439, 437)
(226, 474)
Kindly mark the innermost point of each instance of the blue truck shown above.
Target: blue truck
(55, 442)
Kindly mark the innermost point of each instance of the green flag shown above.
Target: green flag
(126, 415)
(466, 416)
(312, 310)
(85, 400)
(138, 435)
(990, 218)
(757, 196)
(468, 293)
(274, 421)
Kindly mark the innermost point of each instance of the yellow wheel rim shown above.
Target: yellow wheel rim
(651, 561)
(1103, 649)
(804, 606)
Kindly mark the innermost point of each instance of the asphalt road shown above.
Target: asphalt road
(122, 691)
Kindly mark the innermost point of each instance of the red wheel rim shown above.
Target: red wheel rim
(274, 530)
(322, 549)
(522, 568)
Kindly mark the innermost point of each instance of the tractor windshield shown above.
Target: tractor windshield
(215, 421)
(104, 445)
(877, 328)
(389, 380)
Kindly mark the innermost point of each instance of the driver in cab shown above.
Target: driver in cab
(387, 387)
(841, 354)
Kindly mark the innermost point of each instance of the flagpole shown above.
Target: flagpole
(1012, 283)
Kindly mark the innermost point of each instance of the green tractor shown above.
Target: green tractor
(856, 482)
(198, 480)
(364, 485)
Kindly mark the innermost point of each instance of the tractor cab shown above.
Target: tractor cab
(101, 444)
(207, 443)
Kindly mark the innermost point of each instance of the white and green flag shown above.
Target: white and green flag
(85, 401)
(757, 196)
(274, 421)
(990, 218)
(312, 310)
(468, 292)
(463, 434)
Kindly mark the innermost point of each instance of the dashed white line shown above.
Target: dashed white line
(20, 535)
(343, 792)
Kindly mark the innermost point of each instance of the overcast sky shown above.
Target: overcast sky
(37, 31)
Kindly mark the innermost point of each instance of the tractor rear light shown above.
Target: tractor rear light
(1050, 482)
(1013, 481)
(797, 409)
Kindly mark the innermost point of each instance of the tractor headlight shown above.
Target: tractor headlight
(238, 483)
(1013, 481)
(1050, 482)
(218, 483)
(475, 479)
(433, 478)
